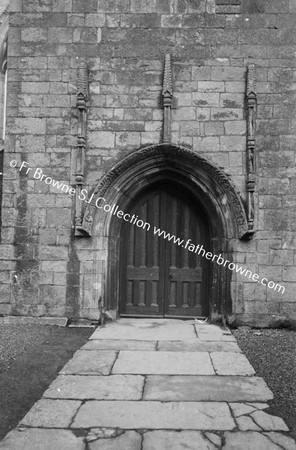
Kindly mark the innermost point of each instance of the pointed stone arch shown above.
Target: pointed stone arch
(139, 168)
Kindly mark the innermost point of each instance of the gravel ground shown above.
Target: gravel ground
(30, 358)
(272, 353)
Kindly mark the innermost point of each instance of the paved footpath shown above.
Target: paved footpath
(153, 384)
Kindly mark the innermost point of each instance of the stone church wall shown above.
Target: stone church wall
(44, 270)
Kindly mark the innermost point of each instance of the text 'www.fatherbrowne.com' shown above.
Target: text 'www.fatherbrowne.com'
(100, 203)
(218, 259)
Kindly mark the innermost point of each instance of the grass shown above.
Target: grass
(30, 358)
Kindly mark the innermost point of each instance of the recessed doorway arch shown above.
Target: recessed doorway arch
(208, 188)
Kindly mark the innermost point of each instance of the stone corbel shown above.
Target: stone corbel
(79, 156)
(168, 101)
(251, 97)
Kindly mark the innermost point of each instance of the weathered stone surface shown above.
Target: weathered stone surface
(59, 321)
(96, 362)
(148, 330)
(216, 337)
(212, 329)
(174, 363)
(215, 438)
(117, 344)
(246, 423)
(284, 441)
(195, 345)
(130, 440)
(35, 439)
(226, 363)
(268, 422)
(51, 413)
(248, 440)
(211, 388)
(114, 387)
(167, 440)
(241, 409)
(155, 415)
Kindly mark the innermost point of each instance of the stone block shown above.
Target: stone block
(94, 20)
(155, 415)
(205, 388)
(226, 114)
(65, 6)
(7, 252)
(114, 387)
(37, 6)
(54, 266)
(58, 217)
(231, 100)
(289, 274)
(117, 344)
(57, 321)
(80, 6)
(52, 253)
(5, 308)
(205, 99)
(173, 363)
(101, 139)
(29, 125)
(141, 6)
(34, 35)
(126, 139)
(211, 86)
(184, 113)
(60, 35)
(41, 200)
(167, 440)
(98, 362)
(51, 413)
(231, 364)
(235, 127)
(214, 128)
(15, 6)
(129, 440)
(30, 438)
(189, 128)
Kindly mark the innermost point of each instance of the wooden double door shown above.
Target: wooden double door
(161, 275)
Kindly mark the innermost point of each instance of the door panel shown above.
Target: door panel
(161, 277)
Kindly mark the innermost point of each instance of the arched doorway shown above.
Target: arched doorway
(162, 268)
(210, 194)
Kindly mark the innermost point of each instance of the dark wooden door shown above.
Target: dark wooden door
(164, 276)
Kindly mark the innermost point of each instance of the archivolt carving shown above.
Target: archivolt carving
(168, 153)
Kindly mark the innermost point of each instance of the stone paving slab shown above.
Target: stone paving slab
(216, 337)
(155, 415)
(114, 387)
(207, 328)
(147, 330)
(130, 440)
(226, 363)
(174, 363)
(97, 362)
(251, 440)
(168, 440)
(51, 413)
(201, 388)
(195, 345)
(181, 368)
(118, 344)
(38, 439)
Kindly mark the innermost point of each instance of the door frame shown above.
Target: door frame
(208, 184)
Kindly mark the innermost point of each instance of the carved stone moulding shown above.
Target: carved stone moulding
(161, 161)
(251, 101)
